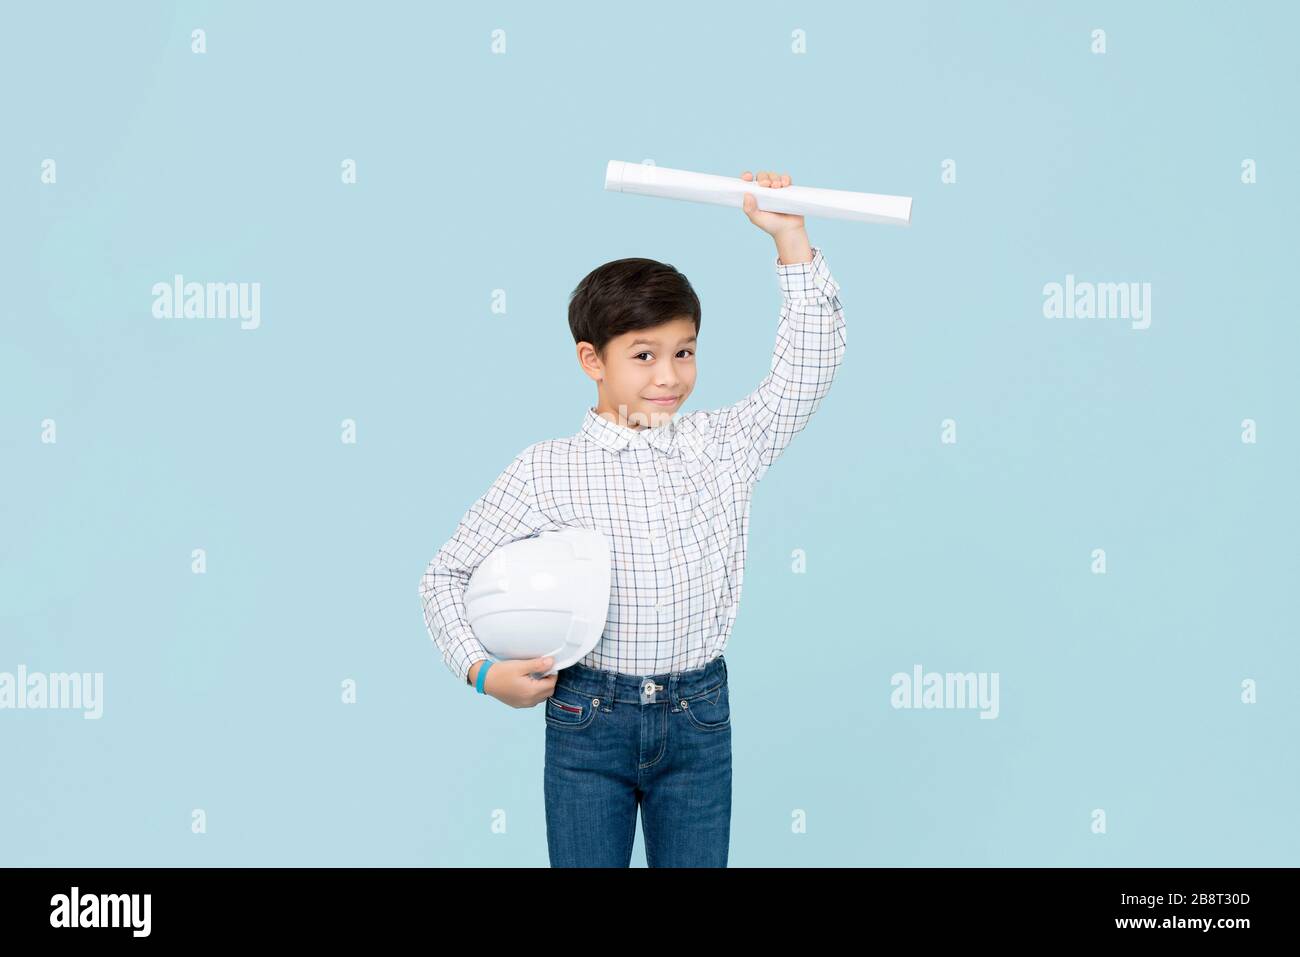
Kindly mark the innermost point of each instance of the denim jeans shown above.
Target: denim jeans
(616, 742)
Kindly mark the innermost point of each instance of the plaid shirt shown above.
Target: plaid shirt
(672, 500)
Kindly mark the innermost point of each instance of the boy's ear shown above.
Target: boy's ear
(591, 360)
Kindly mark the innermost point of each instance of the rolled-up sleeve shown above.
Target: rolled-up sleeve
(505, 513)
(810, 343)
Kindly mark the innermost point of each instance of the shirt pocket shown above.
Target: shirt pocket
(702, 530)
(694, 516)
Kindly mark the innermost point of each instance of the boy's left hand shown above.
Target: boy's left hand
(774, 224)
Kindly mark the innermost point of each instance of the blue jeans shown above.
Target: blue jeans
(615, 743)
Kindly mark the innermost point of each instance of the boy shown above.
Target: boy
(644, 720)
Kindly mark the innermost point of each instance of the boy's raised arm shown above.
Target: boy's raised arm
(505, 513)
(810, 343)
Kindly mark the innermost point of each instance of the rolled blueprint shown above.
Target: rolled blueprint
(649, 180)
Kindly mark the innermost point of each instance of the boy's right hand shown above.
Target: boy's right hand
(512, 681)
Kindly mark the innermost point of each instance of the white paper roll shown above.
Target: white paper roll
(646, 180)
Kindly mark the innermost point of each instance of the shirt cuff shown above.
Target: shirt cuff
(472, 656)
(810, 280)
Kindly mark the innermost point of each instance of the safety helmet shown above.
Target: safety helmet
(544, 595)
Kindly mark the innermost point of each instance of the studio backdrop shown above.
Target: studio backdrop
(1022, 593)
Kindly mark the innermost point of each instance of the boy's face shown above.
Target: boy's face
(640, 367)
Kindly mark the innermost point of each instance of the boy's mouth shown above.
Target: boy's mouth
(670, 400)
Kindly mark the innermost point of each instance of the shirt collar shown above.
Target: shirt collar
(617, 437)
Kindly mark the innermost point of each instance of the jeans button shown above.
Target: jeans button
(595, 702)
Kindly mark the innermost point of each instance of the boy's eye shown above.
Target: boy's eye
(679, 352)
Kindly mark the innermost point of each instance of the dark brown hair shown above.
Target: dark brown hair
(626, 295)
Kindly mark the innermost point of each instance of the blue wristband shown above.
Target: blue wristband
(482, 673)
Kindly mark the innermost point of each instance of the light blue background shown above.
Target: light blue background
(479, 172)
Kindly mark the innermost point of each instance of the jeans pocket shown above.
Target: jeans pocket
(709, 710)
(569, 710)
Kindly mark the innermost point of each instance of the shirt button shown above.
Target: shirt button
(661, 605)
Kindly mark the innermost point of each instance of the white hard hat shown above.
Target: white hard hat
(545, 595)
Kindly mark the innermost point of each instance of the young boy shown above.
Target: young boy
(644, 720)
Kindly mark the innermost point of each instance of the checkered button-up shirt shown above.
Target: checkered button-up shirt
(672, 500)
